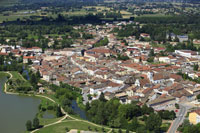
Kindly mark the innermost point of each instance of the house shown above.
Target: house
(183, 95)
(194, 116)
(159, 49)
(163, 102)
(157, 78)
(41, 90)
(145, 35)
(109, 95)
(182, 38)
(172, 35)
(33, 49)
(27, 58)
(187, 53)
(122, 96)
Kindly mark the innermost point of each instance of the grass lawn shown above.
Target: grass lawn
(60, 128)
(48, 121)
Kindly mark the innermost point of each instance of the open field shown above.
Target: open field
(154, 15)
(70, 124)
(4, 3)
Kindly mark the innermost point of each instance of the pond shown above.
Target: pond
(15, 111)
(78, 111)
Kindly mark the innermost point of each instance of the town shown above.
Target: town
(132, 70)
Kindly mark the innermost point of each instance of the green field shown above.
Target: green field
(70, 124)
(154, 15)
(18, 81)
(4, 3)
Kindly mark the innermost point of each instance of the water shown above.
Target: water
(15, 111)
(48, 115)
(26, 72)
(78, 111)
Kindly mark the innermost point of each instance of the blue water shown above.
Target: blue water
(26, 72)
(78, 111)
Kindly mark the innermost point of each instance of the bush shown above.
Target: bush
(50, 107)
(44, 109)
(69, 110)
(67, 129)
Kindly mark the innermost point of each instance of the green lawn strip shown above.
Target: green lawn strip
(44, 121)
(60, 128)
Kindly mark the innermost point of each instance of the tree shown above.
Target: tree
(89, 128)
(120, 131)
(87, 106)
(127, 131)
(36, 123)
(198, 97)
(151, 53)
(153, 122)
(134, 124)
(67, 129)
(102, 98)
(38, 74)
(58, 111)
(196, 67)
(28, 125)
(177, 105)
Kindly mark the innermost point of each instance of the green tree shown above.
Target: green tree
(153, 122)
(87, 106)
(102, 98)
(196, 67)
(134, 124)
(151, 53)
(58, 111)
(36, 123)
(177, 105)
(198, 97)
(28, 125)
(67, 129)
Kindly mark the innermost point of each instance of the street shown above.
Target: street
(180, 117)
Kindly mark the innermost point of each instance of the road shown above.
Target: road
(180, 117)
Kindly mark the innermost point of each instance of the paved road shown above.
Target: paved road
(180, 117)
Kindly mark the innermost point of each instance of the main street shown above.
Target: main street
(180, 117)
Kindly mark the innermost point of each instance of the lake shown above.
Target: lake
(15, 111)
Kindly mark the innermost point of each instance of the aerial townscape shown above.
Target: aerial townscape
(88, 66)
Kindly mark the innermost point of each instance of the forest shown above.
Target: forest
(127, 116)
